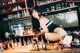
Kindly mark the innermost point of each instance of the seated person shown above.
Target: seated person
(52, 31)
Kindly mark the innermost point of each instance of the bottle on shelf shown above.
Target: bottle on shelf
(34, 45)
(48, 1)
(40, 2)
(40, 45)
(29, 45)
(72, 4)
(24, 42)
(15, 8)
(59, 7)
(1, 48)
(13, 1)
(66, 4)
(9, 9)
(19, 7)
(43, 43)
(15, 44)
(18, 14)
(3, 3)
(28, 41)
(47, 41)
(12, 43)
(47, 9)
(19, 43)
(10, 1)
(62, 5)
(24, 13)
(52, 0)
(9, 44)
(52, 8)
(56, 7)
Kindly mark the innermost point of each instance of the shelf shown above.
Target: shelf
(7, 5)
(24, 17)
(59, 10)
(48, 3)
(14, 11)
(18, 18)
(31, 35)
(28, 35)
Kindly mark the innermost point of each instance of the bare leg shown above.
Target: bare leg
(56, 35)
(53, 36)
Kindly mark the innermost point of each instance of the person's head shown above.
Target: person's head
(35, 12)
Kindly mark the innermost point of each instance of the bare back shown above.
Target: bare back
(43, 21)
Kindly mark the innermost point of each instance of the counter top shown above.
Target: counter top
(24, 50)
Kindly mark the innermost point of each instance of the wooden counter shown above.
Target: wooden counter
(24, 50)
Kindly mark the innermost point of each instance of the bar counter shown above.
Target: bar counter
(24, 50)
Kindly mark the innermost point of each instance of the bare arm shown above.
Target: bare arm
(43, 31)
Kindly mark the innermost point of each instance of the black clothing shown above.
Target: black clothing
(51, 27)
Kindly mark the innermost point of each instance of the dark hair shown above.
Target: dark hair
(35, 21)
(36, 8)
(35, 24)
